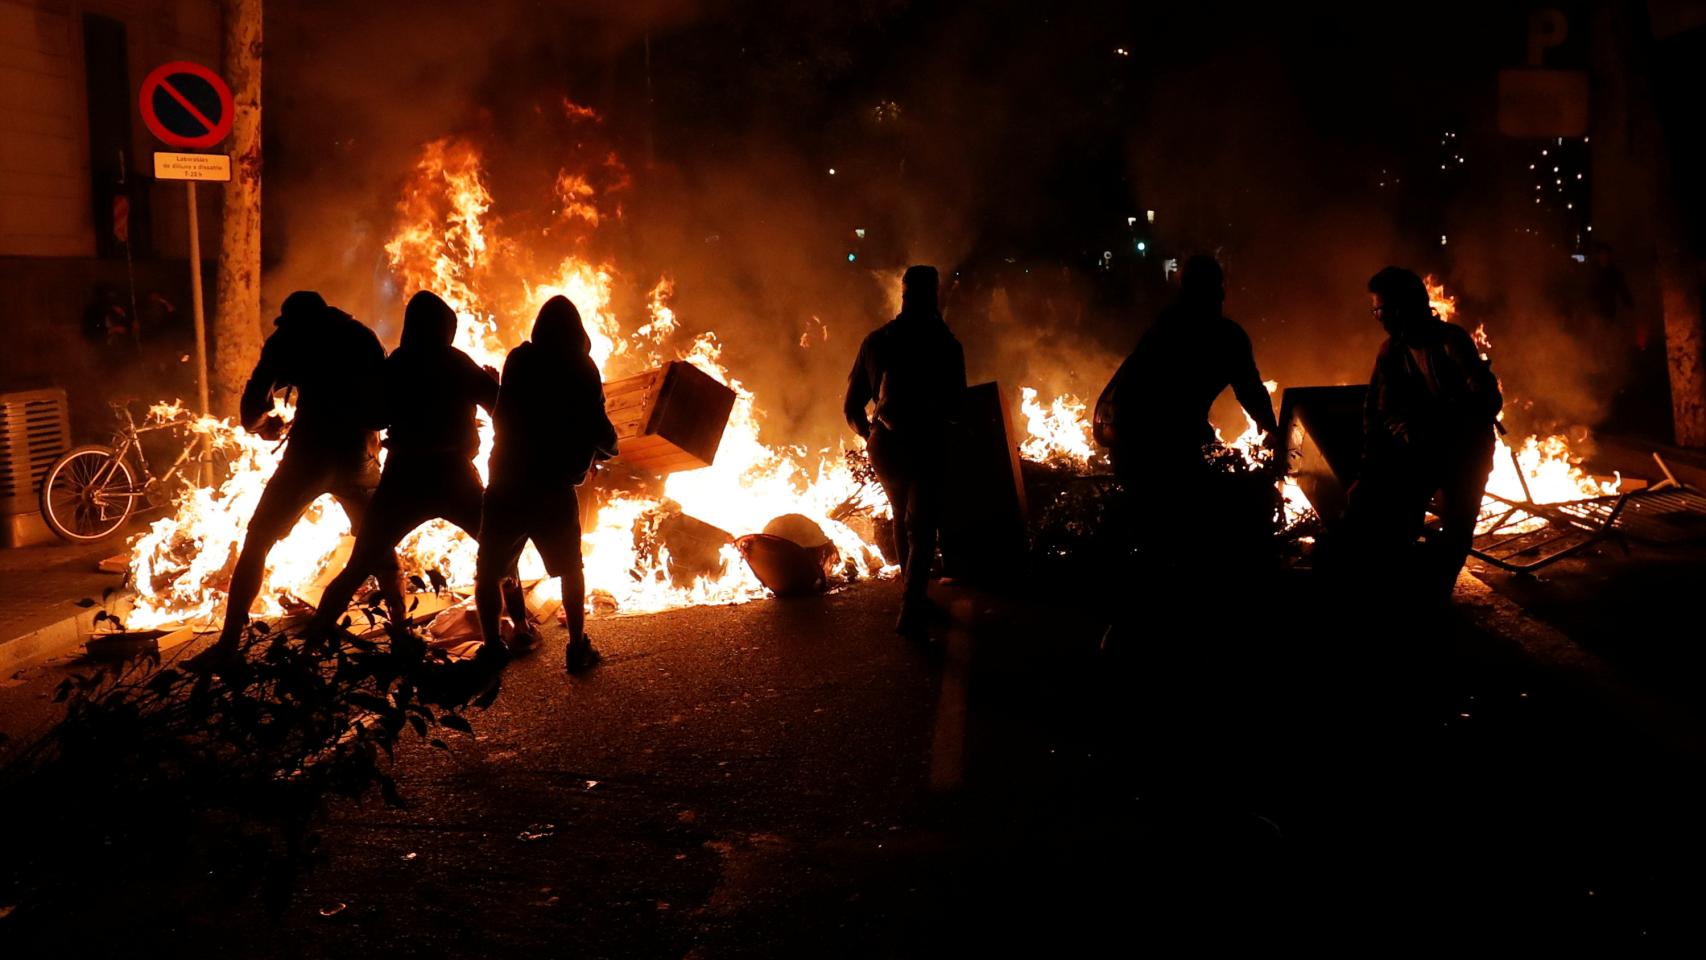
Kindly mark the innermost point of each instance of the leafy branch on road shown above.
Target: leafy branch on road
(219, 780)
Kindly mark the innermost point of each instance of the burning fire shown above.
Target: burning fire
(1551, 472)
(1060, 433)
(181, 567)
(449, 242)
(1445, 304)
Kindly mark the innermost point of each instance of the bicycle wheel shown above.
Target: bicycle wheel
(87, 494)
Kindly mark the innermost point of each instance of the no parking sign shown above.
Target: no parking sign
(189, 106)
(186, 105)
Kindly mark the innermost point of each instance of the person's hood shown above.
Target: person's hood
(428, 322)
(301, 306)
(558, 329)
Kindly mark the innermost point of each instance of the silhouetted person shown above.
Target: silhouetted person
(429, 392)
(1428, 436)
(1153, 414)
(334, 364)
(550, 427)
(914, 371)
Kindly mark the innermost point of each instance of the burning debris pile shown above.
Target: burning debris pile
(1076, 498)
(448, 241)
(663, 530)
(1074, 494)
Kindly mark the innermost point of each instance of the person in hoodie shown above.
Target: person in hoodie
(429, 393)
(549, 429)
(1153, 414)
(912, 372)
(334, 364)
(1428, 436)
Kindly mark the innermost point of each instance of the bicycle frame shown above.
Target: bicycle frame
(128, 438)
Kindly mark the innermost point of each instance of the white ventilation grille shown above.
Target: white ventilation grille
(35, 428)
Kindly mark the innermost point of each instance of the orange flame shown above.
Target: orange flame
(1059, 433)
(447, 242)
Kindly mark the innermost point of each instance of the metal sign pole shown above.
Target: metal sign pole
(195, 300)
(198, 114)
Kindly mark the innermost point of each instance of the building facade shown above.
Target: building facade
(94, 278)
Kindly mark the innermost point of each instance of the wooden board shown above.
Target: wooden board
(669, 418)
(984, 521)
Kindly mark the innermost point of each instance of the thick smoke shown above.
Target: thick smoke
(353, 91)
(962, 136)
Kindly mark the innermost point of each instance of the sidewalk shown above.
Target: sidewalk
(40, 587)
(1634, 456)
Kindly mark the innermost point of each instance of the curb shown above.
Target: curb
(44, 643)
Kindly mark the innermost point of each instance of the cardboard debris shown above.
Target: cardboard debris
(124, 645)
(695, 548)
(456, 622)
(542, 600)
(453, 626)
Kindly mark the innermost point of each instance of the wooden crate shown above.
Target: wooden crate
(669, 418)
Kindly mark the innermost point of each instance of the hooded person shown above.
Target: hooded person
(427, 404)
(1153, 417)
(333, 364)
(1428, 436)
(549, 429)
(911, 374)
(1154, 414)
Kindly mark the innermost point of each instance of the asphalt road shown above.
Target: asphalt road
(787, 778)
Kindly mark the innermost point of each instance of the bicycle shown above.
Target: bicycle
(90, 491)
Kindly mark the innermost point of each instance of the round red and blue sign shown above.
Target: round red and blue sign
(186, 105)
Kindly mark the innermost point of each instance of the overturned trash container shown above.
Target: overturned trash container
(792, 557)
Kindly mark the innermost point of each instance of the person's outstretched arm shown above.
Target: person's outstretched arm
(1248, 388)
(1485, 397)
(603, 432)
(509, 405)
(482, 384)
(858, 396)
(256, 402)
